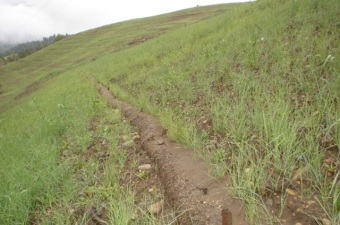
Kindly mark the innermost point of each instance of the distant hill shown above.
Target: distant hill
(4, 47)
(18, 51)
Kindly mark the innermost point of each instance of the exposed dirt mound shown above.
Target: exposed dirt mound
(139, 40)
(187, 185)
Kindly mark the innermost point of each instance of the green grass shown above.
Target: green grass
(30, 144)
(269, 85)
(56, 167)
(254, 90)
(88, 46)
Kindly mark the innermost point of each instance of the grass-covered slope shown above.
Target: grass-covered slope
(255, 89)
(47, 104)
(31, 72)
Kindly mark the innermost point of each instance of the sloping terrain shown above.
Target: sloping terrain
(87, 46)
(253, 88)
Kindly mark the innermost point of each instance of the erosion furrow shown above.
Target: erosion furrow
(196, 196)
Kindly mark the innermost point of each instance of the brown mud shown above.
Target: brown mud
(187, 185)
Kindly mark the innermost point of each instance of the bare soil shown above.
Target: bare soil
(187, 185)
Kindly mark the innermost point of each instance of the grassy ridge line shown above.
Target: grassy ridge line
(260, 83)
(90, 45)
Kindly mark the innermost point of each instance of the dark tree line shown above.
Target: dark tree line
(25, 49)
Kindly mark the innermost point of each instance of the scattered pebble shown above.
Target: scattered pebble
(144, 167)
(156, 207)
(160, 142)
(64, 153)
(329, 160)
(310, 202)
(326, 221)
(298, 224)
(290, 204)
(291, 192)
(298, 210)
(136, 137)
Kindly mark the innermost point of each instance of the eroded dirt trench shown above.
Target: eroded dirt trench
(187, 184)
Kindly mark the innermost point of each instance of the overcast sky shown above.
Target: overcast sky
(26, 20)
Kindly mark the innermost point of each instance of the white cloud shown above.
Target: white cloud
(22, 20)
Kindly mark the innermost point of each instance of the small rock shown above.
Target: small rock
(129, 143)
(156, 207)
(290, 204)
(136, 137)
(329, 160)
(144, 167)
(298, 224)
(64, 153)
(326, 221)
(160, 142)
(310, 202)
(291, 192)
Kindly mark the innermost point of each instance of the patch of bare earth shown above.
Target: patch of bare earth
(139, 40)
(188, 188)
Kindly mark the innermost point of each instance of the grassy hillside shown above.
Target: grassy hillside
(32, 71)
(255, 89)
(48, 105)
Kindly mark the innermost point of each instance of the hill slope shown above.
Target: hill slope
(254, 89)
(87, 46)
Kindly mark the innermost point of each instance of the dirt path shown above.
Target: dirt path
(188, 187)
